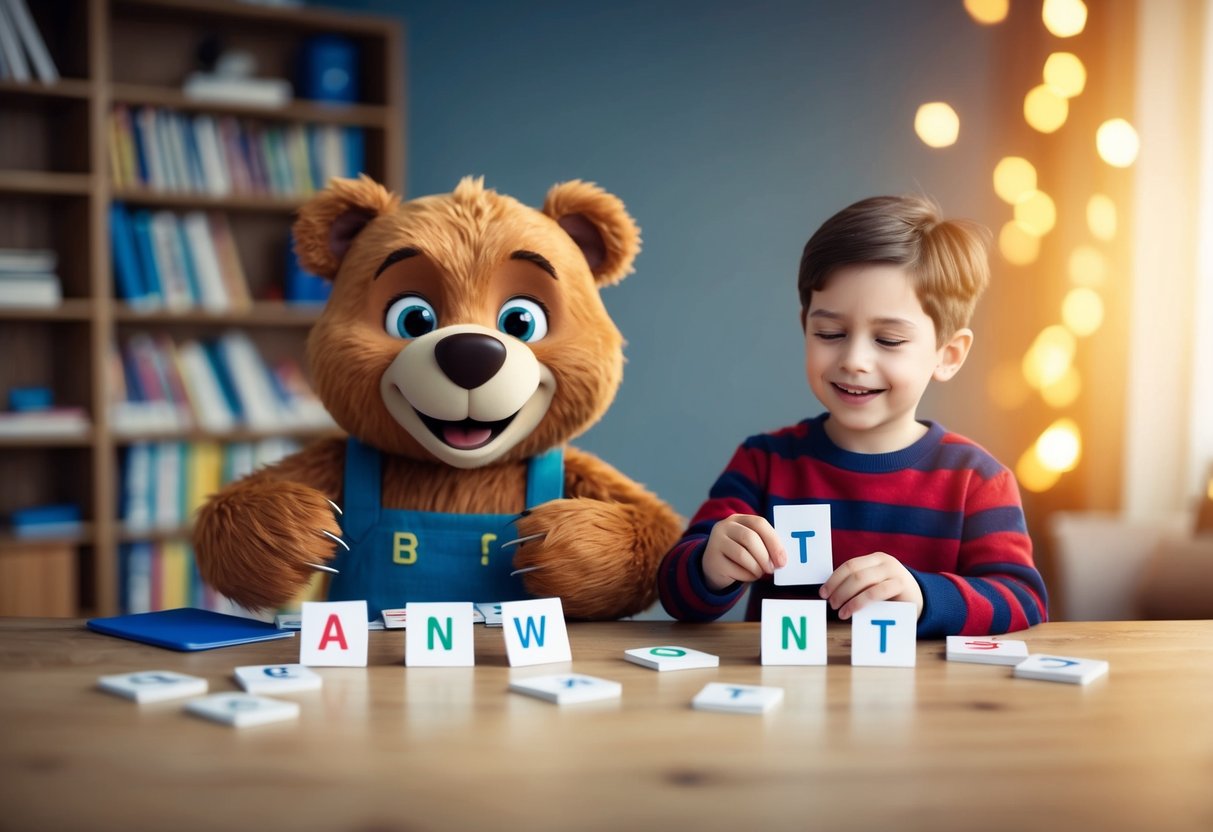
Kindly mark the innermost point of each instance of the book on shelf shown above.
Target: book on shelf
(28, 259)
(18, 15)
(54, 422)
(34, 290)
(166, 150)
(257, 92)
(54, 520)
(16, 66)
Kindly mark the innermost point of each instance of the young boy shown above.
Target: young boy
(887, 288)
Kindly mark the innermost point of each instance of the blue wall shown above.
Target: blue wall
(730, 133)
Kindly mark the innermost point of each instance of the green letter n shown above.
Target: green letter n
(802, 639)
(432, 627)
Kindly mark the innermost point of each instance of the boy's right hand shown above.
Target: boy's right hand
(741, 547)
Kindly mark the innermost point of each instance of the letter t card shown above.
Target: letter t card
(805, 534)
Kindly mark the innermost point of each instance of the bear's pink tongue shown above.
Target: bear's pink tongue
(463, 438)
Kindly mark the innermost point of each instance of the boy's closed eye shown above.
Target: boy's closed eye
(891, 342)
(830, 336)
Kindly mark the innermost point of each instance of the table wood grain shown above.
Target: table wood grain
(944, 746)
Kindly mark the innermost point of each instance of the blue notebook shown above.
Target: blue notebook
(187, 629)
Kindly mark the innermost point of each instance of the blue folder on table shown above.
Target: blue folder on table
(187, 629)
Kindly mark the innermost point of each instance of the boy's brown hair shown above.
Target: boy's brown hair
(946, 259)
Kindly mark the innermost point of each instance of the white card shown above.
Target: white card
(568, 688)
(242, 709)
(277, 678)
(534, 632)
(395, 619)
(885, 634)
(1061, 669)
(333, 634)
(440, 636)
(491, 613)
(153, 685)
(986, 650)
(737, 699)
(670, 657)
(793, 631)
(804, 531)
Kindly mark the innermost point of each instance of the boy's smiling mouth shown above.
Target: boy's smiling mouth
(854, 392)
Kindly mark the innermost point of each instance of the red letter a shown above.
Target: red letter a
(333, 632)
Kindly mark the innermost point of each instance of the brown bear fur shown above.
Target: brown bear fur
(468, 251)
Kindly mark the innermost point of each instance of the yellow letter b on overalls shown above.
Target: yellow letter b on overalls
(404, 548)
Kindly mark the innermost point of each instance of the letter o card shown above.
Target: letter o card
(333, 634)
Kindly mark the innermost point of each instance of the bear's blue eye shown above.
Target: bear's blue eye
(523, 318)
(410, 316)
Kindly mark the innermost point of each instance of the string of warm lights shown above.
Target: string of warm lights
(1047, 367)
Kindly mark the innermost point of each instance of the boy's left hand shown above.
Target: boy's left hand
(868, 578)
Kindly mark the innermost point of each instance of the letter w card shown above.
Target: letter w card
(805, 534)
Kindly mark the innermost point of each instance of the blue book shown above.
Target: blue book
(224, 377)
(355, 151)
(141, 224)
(127, 273)
(187, 629)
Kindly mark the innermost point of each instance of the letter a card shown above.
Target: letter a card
(333, 634)
(804, 532)
(534, 632)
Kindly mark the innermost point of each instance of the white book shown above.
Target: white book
(10, 45)
(170, 261)
(212, 293)
(27, 260)
(169, 465)
(137, 489)
(251, 379)
(205, 392)
(59, 421)
(32, 38)
(145, 123)
(261, 92)
(34, 290)
(210, 153)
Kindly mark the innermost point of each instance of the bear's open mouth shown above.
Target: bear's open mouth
(465, 434)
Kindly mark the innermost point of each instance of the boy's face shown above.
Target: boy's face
(870, 351)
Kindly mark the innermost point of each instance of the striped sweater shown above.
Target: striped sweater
(943, 506)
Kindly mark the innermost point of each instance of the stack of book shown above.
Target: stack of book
(23, 53)
(166, 150)
(216, 385)
(32, 413)
(28, 278)
(167, 261)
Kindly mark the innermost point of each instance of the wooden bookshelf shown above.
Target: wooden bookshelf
(56, 190)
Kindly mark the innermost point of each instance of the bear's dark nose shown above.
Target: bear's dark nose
(469, 358)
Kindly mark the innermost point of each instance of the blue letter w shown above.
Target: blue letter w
(525, 638)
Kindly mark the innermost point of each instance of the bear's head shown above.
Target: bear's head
(465, 327)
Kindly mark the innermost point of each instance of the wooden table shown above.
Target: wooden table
(945, 746)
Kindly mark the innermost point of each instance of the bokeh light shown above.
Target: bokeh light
(1065, 73)
(1044, 109)
(1050, 356)
(1101, 217)
(1014, 178)
(937, 124)
(1017, 245)
(1088, 266)
(1117, 142)
(988, 12)
(1059, 448)
(1063, 392)
(1032, 475)
(1064, 18)
(1036, 213)
(1082, 311)
(1006, 387)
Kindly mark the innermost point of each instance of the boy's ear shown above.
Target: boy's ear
(328, 222)
(953, 354)
(599, 225)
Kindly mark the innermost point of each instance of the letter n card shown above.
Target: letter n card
(805, 534)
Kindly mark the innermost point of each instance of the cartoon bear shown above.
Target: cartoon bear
(464, 344)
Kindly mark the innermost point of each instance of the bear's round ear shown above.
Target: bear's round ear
(328, 222)
(599, 225)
